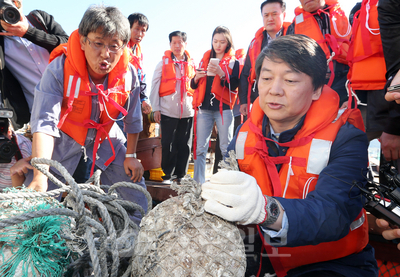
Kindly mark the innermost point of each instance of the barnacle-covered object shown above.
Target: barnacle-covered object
(178, 238)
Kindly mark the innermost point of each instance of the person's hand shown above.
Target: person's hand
(18, 29)
(394, 96)
(390, 145)
(199, 74)
(243, 109)
(134, 169)
(344, 105)
(146, 108)
(234, 196)
(39, 183)
(21, 167)
(157, 117)
(388, 233)
(215, 69)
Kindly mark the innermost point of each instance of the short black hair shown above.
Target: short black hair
(180, 34)
(139, 18)
(283, 4)
(300, 53)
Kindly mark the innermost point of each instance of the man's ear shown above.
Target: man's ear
(82, 41)
(317, 93)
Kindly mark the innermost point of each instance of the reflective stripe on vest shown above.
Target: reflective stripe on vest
(74, 82)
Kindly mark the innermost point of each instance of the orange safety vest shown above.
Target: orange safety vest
(253, 52)
(340, 31)
(321, 124)
(76, 106)
(240, 55)
(365, 57)
(168, 75)
(136, 59)
(223, 94)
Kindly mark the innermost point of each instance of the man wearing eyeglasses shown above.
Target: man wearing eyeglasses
(83, 90)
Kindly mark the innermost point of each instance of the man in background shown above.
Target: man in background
(273, 13)
(325, 22)
(139, 26)
(171, 98)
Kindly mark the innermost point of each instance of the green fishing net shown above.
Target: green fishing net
(34, 247)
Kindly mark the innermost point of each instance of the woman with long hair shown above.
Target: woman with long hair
(215, 84)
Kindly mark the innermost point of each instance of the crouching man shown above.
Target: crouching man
(87, 84)
(299, 156)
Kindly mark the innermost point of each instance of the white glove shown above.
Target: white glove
(234, 196)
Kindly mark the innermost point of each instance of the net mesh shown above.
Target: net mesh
(388, 268)
(33, 247)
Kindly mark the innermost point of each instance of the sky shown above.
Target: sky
(197, 18)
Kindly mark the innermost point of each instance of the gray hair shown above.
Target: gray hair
(107, 20)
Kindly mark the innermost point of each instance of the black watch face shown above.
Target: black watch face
(274, 209)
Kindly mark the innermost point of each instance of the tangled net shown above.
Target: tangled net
(90, 233)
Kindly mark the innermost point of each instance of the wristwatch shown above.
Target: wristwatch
(130, 155)
(272, 210)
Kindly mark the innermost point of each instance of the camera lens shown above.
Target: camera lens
(6, 150)
(11, 15)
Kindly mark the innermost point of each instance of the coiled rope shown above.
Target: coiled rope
(101, 232)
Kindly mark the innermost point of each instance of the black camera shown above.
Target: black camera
(9, 12)
(8, 147)
(383, 200)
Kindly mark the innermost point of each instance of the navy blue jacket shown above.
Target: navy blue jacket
(327, 212)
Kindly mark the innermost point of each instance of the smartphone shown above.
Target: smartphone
(214, 61)
(201, 69)
(395, 88)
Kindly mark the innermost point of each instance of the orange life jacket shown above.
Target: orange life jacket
(321, 124)
(168, 76)
(136, 59)
(240, 55)
(365, 57)
(340, 31)
(223, 94)
(76, 106)
(253, 52)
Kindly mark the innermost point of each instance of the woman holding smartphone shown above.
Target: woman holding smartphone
(215, 83)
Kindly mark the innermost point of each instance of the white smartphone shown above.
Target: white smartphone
(213, 61)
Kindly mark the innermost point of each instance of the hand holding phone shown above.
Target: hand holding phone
(200, 73)
(395, 88)
(212, 66)
(393, 94)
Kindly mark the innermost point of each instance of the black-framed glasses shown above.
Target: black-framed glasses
(113, 48)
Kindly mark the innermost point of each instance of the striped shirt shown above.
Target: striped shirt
(25, 145)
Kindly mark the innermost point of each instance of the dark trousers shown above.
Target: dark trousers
(176, 141)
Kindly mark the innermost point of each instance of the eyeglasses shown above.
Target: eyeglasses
(113, 48)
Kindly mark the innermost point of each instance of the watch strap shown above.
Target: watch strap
(272, 211)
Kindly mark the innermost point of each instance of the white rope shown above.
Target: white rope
(376, 31)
